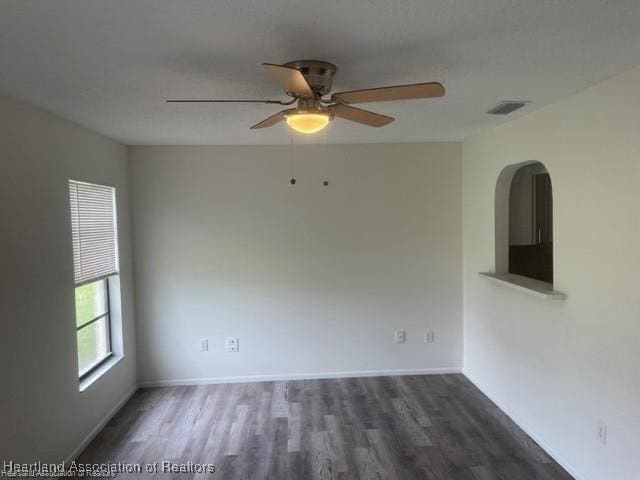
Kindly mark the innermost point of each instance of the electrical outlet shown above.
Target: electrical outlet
(232, 345)
(429, 337)
(602, 432)
(400, 336)
(204, 345)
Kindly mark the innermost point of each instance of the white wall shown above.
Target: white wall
(44, 416)
(311, 279)
(559, 368)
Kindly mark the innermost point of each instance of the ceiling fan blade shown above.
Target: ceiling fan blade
(279, 102)
(361, 116)
(273, 119)
(291, 79)
(396, 92)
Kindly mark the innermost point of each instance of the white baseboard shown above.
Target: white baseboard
(561, 461)
(298, 376)
(92, 434)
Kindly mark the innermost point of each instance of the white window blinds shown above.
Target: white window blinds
(94, 231)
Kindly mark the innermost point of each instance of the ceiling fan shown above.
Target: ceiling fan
(308, 82)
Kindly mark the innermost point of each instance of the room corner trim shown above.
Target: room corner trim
(92, 434)
(299, 376)
(523, 426)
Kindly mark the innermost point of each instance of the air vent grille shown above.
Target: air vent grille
(505, 108)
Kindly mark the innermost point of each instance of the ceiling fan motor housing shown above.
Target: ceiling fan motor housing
(319, 74)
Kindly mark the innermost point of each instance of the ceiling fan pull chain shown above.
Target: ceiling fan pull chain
(324, 156)
(291, 159)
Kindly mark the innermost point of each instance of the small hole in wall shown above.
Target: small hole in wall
(325, 183)
(293, 181)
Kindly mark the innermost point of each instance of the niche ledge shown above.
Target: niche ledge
(530, 286)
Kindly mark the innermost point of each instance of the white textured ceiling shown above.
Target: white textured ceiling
(110, 64)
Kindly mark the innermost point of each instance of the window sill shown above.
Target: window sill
(530, 286)
(95, 375)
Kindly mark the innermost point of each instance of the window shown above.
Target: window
(95, 265)
(524, 222)
(93, 325)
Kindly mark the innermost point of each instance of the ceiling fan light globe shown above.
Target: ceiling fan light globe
(308, 122)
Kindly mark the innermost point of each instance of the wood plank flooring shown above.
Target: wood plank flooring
(437, 427)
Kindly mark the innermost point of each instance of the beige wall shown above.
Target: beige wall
(313, 280)
(44, 416)
(560, 368)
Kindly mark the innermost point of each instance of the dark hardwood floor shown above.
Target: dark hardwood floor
(437, 427)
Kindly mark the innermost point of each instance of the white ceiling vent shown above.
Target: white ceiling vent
(506, 107)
